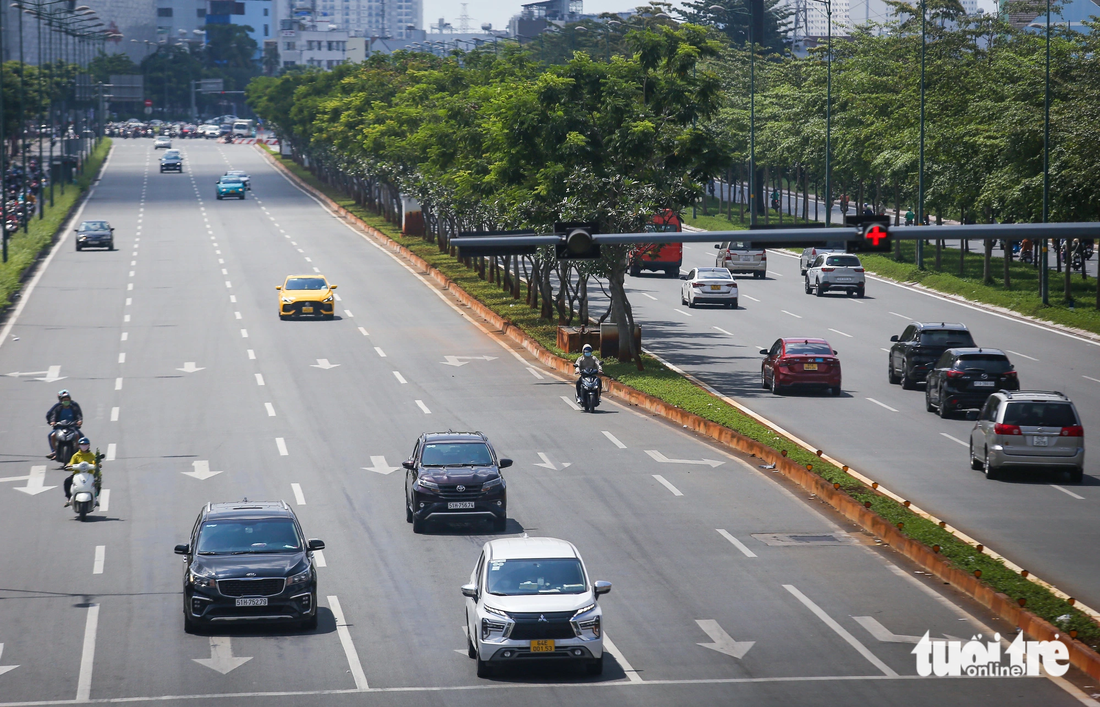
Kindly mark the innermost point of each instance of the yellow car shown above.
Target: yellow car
(306, 295)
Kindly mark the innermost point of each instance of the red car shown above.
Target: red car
(800, 363)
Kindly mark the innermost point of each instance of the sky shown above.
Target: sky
(498, 12)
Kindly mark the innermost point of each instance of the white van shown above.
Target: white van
(242, 128)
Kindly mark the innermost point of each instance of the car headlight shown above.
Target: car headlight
(492, 483)
(197, 580)
(327, 299)
(288, 300)
(586, 624)
(300, 578)
(425, 484)
(490, 627)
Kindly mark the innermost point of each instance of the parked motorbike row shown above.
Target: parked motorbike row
(21, 190)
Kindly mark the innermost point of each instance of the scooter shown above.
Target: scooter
(590, 391)
(65, 435)
(83, 492)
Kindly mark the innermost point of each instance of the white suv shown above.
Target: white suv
(530, 598)
(839, 271)
(741, 257)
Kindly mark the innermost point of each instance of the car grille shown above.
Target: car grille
(451, 491)
(251, 587)
(529, 626)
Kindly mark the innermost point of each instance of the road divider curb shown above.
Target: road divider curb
(1081, 656)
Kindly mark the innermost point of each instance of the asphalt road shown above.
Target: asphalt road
(173, 347)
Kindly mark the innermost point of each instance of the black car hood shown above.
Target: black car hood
(236, 566)
(461, 474)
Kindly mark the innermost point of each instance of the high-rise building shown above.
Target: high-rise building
(258, 15)
(373, 18)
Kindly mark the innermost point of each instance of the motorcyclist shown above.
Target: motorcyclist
(586, 364)
(910, 217)
(83, 454)
(66, 409)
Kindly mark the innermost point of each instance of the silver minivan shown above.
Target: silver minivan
(742, 257)
(1032, 429)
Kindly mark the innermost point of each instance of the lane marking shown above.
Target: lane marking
(251, 354)
(882, 349)
(1097, 380)
(840, 631)
(118, 384)
(316, 269)
(299, 497)
(237, 315)
(111, 452)
(955, 439)
(114, 414)
(270, 409)
(665, 482)
(400, 378)
(902, 316)
(775, 274)
(569, 402)
(1017, 353)
(319, 558)
(259, 379)
(727, 333)
(1068, 492)
(129, 287)
(646, 294)
(736, 543)
(100, 557)
(348, 314)
(614, 440)
(105, 500)
(631, 674)
(228, 283)
(680, 311)
(125, 318)
(122, 357)
(281, 444)
(87, 655)
(838, 331)
(352, 655)
(244, 333)
(535, 373)
(882, 405)
(380, 352)
(750, 297)
(125, 336)
(420, 404)
(363, 331)
(309, 260)
(796, 316)
(129, 301)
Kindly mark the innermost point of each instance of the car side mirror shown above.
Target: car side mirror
(112, 230)
(470, 590)
(315, 544)
(278, 287)
(504, 463)
(683, 277)
(183, 549)
(763, 352)
(972, 415)
(408, 464)
(835, 352)
(601, 587)
(894, 337)
(718, 246)
(332, 287)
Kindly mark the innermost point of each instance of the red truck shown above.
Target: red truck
(666, 257)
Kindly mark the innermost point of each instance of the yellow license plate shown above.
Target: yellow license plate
(809, 367)
(307, 310)
(542, 646)
(715, 287)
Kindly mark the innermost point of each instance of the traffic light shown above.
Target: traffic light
(875, 232)
(576, 241)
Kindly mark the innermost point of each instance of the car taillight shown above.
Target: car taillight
(1073, 431)
(954, 374)
(697, 284)
(1010, 374)
(827, 269)
(858, 269)
(1000, 429)
(764, 255)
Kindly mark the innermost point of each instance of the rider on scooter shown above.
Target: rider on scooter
(66, 409)
(586, 364)
(84, 454)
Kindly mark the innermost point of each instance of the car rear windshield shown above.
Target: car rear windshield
(741, 245)
(990, 363)
(518, 577)
(95, 226)
(808, 349)
(946, 337)
(456, 454)
(843, 261)
(1040, 415)
(306, 283)
(238, 537)
(716, 274)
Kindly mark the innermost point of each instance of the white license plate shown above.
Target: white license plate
(1040, 441)
(844, 279)
(984, 384)
(459, 505)
(250, 601)
(746, 258)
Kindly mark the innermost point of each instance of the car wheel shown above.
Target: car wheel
(818, 289)
(500, 523)
(419, 525)
(284, 317)
(682, 300)
(758, 275)
(928, 400)
(775, 385)
(408, 512)
(219, 196)
(763, 380)
(991, 472)
(733, 304)
(945, 409)
(471, 651)
(78, 248)
(111, 245)
(483, 668)
(1077, 475)
(859, 293)
(803, 273)
(328, 316)
(835, 391)
(310, 624)
(906, 382)
(635, 272)
(809, 290)
(672, 272)
(190, 626)
(975, 464)
(691, 302)
(890, 375)
(594, 667)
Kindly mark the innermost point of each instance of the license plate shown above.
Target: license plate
(545, 645)
(844, 279)
(746, 258)
(809, 367)
(459, 505)
(984, 384)
(250, 601)
(1040, 441)
(307, 310)
(715, 287)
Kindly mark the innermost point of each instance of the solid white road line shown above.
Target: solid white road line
(352, 655)
(736, 543)
(796, 316)
(750, 297)
(645, 294)
(954, 439)
(902, 316)
(251, 354)
(664, 482)
(114, 414)
(631, 674)
(122, 357)
(882, 405)
(380, 352)
(100, 557)
(727, 333)
(840, 631)
(299, 497)
(400, 378)
(270, 409)
(1017, 353)
(104, 500)
(363, 331)
(420, 404)
(535, 373)
(281, 444)
(118, 384)
(614, 440)
(87, 655)
(838, 331)
(259, 379)
(111, 452)
(569, 402)
(1068, 492)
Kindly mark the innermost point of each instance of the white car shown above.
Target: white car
(209, 130)
(836, 271)
(162, 141)
(810, 254)
(715, 285)
(530, 598)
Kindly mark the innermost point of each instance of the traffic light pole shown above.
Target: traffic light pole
(920, 173)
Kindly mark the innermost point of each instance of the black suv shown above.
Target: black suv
(965, 378)
(919, 347)
(455, 476)
(249, 561)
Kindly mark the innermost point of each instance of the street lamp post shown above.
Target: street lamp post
(920, 172)
(1044, 275)
(828, 115)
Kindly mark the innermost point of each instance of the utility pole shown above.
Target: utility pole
(920, 173)
(1044, 272)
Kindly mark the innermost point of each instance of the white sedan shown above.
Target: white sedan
(162, 141)
(708, 285)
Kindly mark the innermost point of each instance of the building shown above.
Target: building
(372, 18)
(317, 44)
(535, 17)
(257, 14)
(179, 18)
(1073, 15)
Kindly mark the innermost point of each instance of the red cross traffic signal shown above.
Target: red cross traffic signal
(875, 233)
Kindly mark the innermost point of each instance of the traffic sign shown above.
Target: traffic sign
(148, 110)
(148, 103)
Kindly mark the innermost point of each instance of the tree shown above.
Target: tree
(270, 59)
(734, 20)
(103, 65)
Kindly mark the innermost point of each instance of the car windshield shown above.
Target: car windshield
(519, 577)
(843, 261)
(456, 454)
(236, 174)
(990, 363)
(238, 537)
(95, 226)
(231, 180)
(306, 283)
(946, 337)
(1040, 414)
(808, 349)
(715, 274)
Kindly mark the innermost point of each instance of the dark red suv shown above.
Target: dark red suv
(800, 363)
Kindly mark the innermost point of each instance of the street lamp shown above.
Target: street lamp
(920, 172)
(1044, 275)
(753, 196)
(829, 114)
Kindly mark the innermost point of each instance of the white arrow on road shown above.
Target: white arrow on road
(658, 457)
(323, 363)
(379, 466)
(16, 374)
(9, 668)
(546, 463)
(201, 470)
(722, 642)
(52, 375)
(463, 360)
(35, 482)
(221, 656)
(884, 634)
(190, 367)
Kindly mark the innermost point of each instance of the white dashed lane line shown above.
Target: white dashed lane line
(420, 404)
(614, 440)
(270, 409)
(259, 379)
(363, 331)
(727, 333)
(838, 331)
(902, 316)
(644, 294)
(281, 444)
(400, 378)
(114, 414)
(1068, 492)
(535, 373)
(118, 384)
(665, 482)
(750, 297)
(796, 316)
(1017, 353)
(299, 497)
(954, 439)
(736, 543)
(882, 405)
(100, 557)
(251, 355)
(380, 352)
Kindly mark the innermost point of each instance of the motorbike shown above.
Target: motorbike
(84, 495)
(65, 435)
(590, 390)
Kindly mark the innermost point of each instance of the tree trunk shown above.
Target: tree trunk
(740, 190)
(764, 198)
(1007, 260)
(516, 281)
(805, 194)
(582, 286)
(1068, 290)
(624, 318)
(547, 311)
(987, 263)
